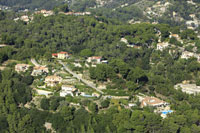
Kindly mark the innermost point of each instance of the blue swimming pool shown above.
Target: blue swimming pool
(167, 112)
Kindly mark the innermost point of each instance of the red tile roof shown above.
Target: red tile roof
(54, 54)
(96, 57)
(63, 53)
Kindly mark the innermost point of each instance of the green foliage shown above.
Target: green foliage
(3, 57)
(188, 34)
(102, 72)
(128, 71)
(44, 104)
(93, 107)
(105, 103)
(86, 53)
(31, 4)
(61, 8)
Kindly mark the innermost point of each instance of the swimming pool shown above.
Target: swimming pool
(167, 112)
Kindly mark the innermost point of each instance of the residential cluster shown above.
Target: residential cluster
(54, 82)
(76, 13)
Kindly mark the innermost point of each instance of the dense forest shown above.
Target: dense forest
(31, 4)
(123, 10)
(136, 70)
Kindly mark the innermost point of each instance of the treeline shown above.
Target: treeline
(31, 4)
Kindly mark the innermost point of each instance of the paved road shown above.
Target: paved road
(35, 62)
(80, 78)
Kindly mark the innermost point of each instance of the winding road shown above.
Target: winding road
(80, 78)
(34, 62)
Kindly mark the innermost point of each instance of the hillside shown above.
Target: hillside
(123, 66)
(173, 12)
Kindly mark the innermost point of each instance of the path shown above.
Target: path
(80, 78)
(34, 62)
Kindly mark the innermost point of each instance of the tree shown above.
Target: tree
(64, 8)
(137, 75)
(86, 53)
(105, 103)
(3, 57)
(28, 80)
(3, 123)
(93, 107)
(67, 113)
(44, 104)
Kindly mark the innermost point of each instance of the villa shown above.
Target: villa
(21, 67)
(162, 46)
(45, 13)
(67, 90)
(39, 70)
(188, 88)
(94, 59)
(53, 80)
(154, 102)
(61, 55)
(187, 55)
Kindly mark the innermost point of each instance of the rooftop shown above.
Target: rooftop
(151, 101)
(63, 52)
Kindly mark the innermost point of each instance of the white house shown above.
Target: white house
(124, 40)
(162, 46)
(63, 55)
(94, 59)
(21, 67)
(187, 55)
(53, 80)
(67, 90)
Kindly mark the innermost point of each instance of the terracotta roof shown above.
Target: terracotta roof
(63, 53)
(53, 77)
(40, 68)
(151, 101)
(96, 57)
(54, 54)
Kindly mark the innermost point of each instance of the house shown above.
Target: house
(131, 105)
(21, 67)
(67, 90)
(63, 55)
(94, 59)
(45, 13)
(39, 70)
(152, 101)
(187, 55)
(60, 55)
(25, 18)
(124, 40)
(53, 80)
(77, 65)
(174, 35)
(188, 88)
(54, 55)
(163, 45)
